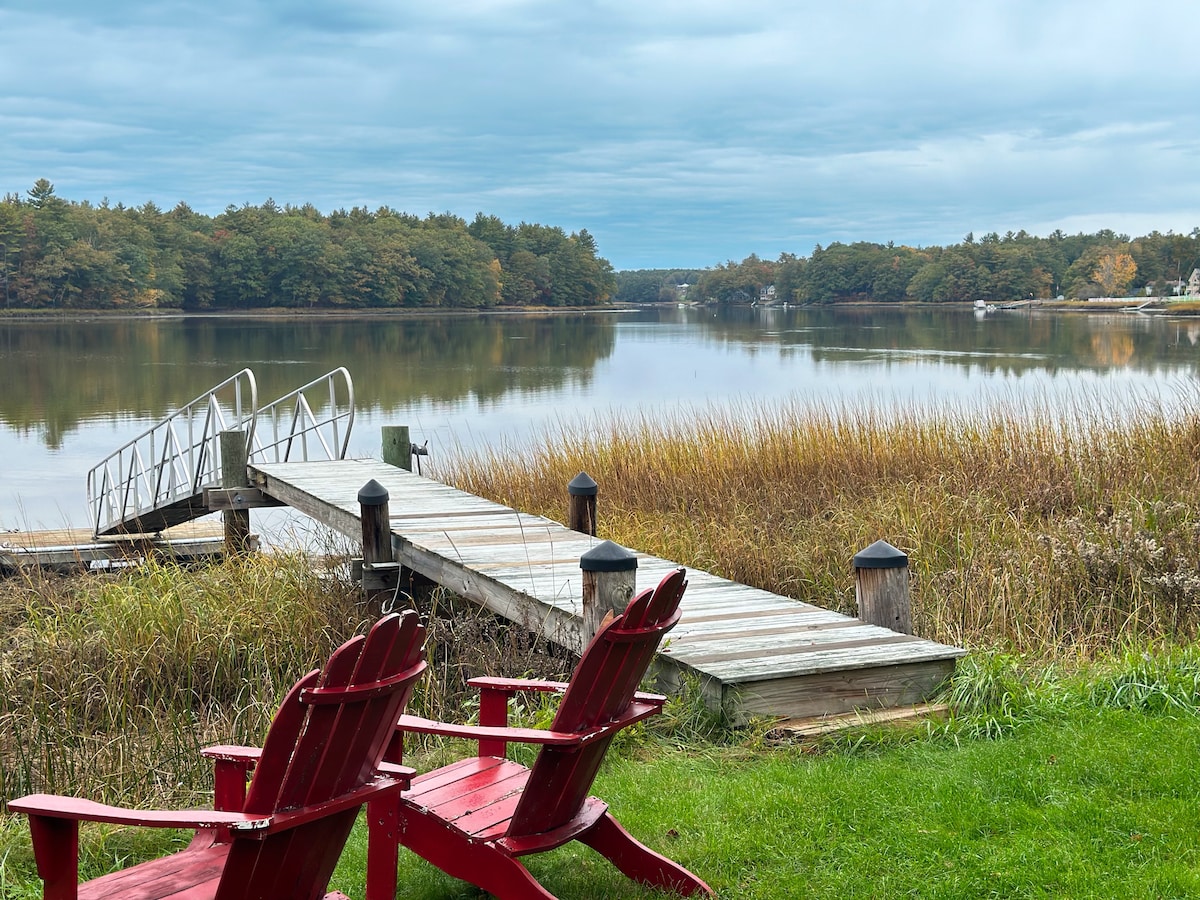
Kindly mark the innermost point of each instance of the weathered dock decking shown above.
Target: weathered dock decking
(68, 549)
(750, 650)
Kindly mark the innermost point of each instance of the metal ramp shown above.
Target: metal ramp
(158, 479)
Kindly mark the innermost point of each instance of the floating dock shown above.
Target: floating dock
(74, 549)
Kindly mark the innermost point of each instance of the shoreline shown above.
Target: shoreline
(1155, 306)
(276, 313)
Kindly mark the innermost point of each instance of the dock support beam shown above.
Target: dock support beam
(881, 586)
(609, 580)
(233, 475)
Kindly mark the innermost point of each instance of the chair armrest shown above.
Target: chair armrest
(417, 725)
(512, 685)
(493, 704)
(78, 810)
(233, 752)
(493, 738)
(402, 774)
(52, 806)
(656, 699)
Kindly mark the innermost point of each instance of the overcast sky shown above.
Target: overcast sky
(678, 132)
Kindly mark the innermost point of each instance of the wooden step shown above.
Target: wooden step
(816, 726)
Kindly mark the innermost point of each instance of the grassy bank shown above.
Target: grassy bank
(1090, 793)
(1063, 550)
(110, 684)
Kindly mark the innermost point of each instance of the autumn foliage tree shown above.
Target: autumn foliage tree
(1114, 273)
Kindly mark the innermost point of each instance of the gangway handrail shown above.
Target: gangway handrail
(287, 430)
(173, 460)
(159, 477)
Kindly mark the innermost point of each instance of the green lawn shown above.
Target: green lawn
(1102, 804)
(1087, 801)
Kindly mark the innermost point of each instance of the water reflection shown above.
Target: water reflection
(74, 391)
(1009, 342)
(60, 375)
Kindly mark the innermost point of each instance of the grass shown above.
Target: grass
(1063, 550)
(1042, 784)
(110, 684)
(1054, 536)
(1089, 793)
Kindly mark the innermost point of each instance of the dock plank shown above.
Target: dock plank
(75, 548)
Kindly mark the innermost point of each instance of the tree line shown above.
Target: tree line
(996, 269)
(55, 253)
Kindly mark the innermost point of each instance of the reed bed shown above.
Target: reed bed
(1058, 535)
(111, 684)
(1056, 538)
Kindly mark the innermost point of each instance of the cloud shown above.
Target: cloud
(678, 133)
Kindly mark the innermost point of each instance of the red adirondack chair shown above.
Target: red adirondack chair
(474, 818)
(319, 764)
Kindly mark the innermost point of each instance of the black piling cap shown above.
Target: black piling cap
(880, 555)
(372, 494)
(608, 557)
(582, 486)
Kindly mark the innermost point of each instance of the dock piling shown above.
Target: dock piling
(609, 580)
(881, 586)
(581, 504)
(234, 457)
(380, 571)
(397, 446)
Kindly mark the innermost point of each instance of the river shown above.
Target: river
(75, 390)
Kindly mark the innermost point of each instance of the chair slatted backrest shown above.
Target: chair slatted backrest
(601, 691)
(326, 740)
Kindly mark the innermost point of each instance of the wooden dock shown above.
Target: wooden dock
(752, 652)
(72, 549)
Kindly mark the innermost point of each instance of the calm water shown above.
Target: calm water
(74, 391)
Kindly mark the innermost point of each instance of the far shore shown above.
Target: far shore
(1169, 306)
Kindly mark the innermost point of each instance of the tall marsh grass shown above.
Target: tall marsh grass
(1053, 534)
(111, 684)
(1053, 539)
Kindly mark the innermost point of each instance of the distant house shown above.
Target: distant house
(681, 290)
(1193, 284)
(766, 294)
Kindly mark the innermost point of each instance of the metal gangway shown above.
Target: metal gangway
(158, 479)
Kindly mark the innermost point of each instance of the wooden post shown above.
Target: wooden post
(379, 566)
(881, 586)
(233, 475)
(397, 446)
(609, 580)
(581, 504)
